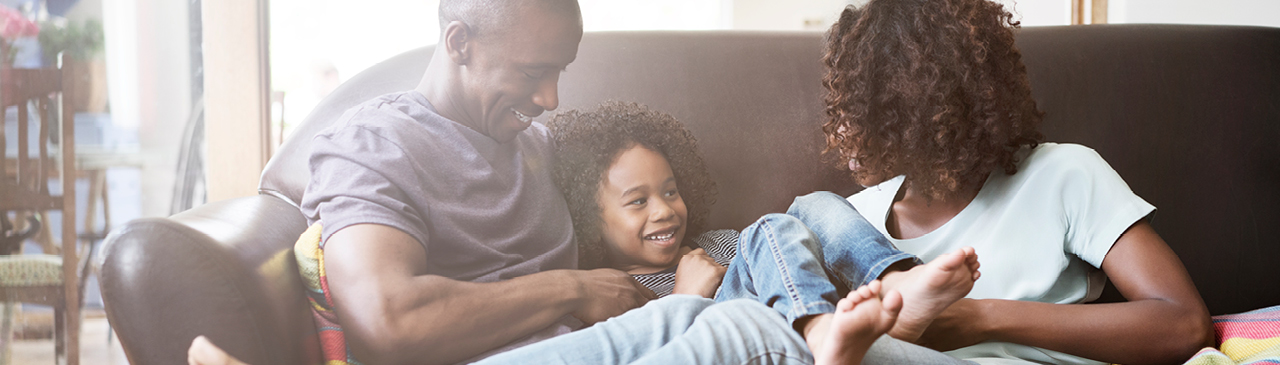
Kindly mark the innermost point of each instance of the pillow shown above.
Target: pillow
(310, 256)
(1210, 356)
(1251, 337)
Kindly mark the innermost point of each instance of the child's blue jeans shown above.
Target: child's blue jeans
(801, 263)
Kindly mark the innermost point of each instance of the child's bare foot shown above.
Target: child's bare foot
(860, 319)
(929, 289)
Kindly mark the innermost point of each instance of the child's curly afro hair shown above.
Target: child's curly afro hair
(589, 142)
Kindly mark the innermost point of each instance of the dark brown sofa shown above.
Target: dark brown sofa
(1188, 115)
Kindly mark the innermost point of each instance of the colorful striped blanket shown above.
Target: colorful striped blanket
(310, 256)
(1251, 338)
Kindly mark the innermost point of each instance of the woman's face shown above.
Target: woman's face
(643, 217)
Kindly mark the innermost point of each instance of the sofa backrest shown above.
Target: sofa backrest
(753, 100)
(1189, 116)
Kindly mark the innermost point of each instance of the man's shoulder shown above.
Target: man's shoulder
(395, 117)
(537, 135)
(384, 114)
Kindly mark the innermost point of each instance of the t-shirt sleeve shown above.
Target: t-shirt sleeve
(1097, 203)
(354, 175)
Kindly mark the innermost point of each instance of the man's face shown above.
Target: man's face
(514, 71)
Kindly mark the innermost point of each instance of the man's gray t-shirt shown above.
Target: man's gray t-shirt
(484, 211)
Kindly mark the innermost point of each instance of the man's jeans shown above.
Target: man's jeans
(801, 263)
(687, 329)
(677, 329)
(782, 262)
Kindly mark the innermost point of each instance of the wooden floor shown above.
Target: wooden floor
(94, 348)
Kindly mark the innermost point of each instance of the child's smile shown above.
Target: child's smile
(642, 213)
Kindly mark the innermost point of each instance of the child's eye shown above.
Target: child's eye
(672, 192)
(640, 201)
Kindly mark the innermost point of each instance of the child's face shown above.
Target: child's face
(642, 213)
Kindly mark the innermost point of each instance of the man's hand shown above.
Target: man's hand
(607, 293)
(698, 274)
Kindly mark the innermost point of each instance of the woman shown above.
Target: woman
(929, 104)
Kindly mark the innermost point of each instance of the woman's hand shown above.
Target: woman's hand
(698, 274)
(958, 326)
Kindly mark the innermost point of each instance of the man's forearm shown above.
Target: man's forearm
(392, 312)
(434, 319)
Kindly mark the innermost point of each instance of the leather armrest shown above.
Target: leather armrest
(224, 270)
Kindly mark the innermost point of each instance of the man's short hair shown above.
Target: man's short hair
(486, 15)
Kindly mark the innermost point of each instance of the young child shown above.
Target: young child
(637, 188)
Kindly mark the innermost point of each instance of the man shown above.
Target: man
(444, 238)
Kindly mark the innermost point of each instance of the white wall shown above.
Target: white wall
(1039, 12)
(1233, 12)
(820, 14)
(787, 15)
(149, 86)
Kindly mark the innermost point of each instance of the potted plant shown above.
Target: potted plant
(78, 42)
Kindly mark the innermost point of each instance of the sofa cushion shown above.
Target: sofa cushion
(30, 270)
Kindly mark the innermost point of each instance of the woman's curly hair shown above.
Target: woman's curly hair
(931, 89)
(589, 142)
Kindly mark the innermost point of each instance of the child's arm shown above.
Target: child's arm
(698, 274)
(1163, 321)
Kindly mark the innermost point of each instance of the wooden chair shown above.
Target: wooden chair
(42, 279)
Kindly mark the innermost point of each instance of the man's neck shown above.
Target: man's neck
(440, 85)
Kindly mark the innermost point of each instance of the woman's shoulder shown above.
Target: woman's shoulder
(1064, 155)
(1057, 160)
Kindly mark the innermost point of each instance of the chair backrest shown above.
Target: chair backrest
(27, 89)
(29, 188)
(25, 174)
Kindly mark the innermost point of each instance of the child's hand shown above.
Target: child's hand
(698, 274)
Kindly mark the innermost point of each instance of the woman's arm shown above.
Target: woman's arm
(1163, 321)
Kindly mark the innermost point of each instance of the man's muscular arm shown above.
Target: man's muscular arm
(392, 312)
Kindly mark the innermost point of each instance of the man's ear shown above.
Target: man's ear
(457, 41)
